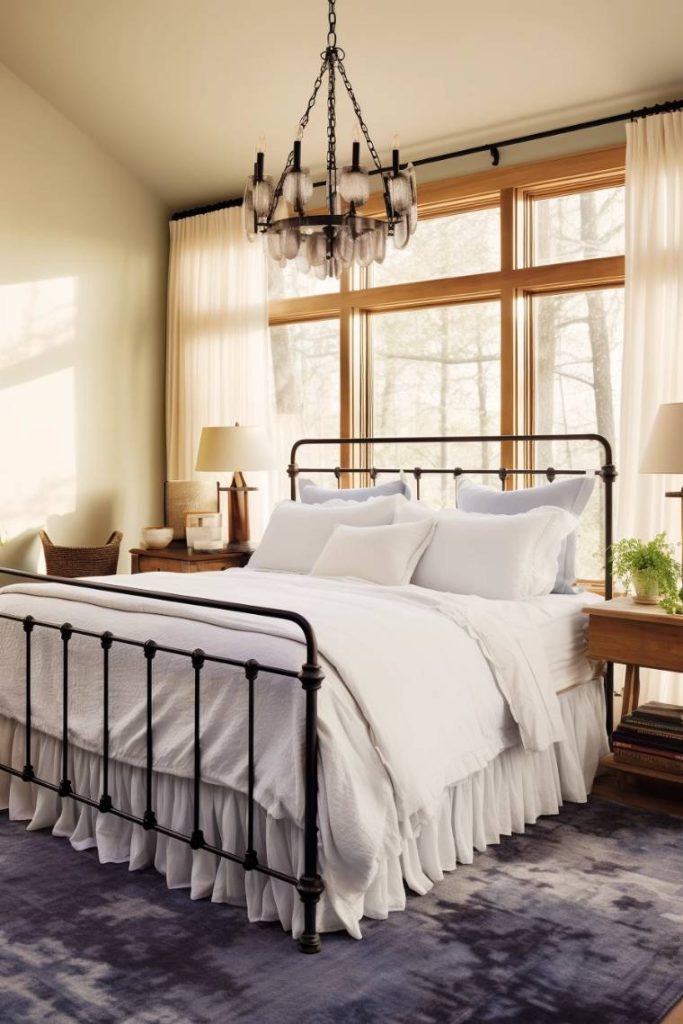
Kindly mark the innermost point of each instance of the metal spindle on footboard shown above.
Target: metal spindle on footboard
(309, 885)
(606, 473)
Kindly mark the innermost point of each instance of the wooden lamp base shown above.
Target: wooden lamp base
(238, 510)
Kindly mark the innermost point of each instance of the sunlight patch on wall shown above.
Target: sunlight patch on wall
(35, 317)
(38, 455)
(37, 403)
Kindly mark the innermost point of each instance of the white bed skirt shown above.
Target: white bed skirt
(511, 792)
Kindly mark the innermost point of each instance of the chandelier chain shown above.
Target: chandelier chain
(356, 108)
(331, 131)
(303, 121)
(332, 21)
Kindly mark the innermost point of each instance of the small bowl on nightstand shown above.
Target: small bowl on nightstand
(157, 537)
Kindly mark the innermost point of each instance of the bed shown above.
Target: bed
(303, 746)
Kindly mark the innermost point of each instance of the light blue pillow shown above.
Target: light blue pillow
(571, 494)
(312, 495)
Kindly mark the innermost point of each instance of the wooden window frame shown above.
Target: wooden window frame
(512, 189)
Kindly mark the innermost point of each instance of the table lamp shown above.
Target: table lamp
(234, 449)
(664, 449)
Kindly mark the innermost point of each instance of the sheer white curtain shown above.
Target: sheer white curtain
(218, 367)
(653, 343)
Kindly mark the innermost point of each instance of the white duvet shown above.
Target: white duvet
(421, 689)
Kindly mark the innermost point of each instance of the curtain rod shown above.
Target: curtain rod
(491, 147)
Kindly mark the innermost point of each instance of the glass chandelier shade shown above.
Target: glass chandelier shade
(328, 242)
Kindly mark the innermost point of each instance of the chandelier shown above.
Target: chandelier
(327, 243)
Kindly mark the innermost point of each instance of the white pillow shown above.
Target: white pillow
(379, 554)
(296, 533)
(505, 557)
(572, 495)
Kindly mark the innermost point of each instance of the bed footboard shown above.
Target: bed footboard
(309, 885)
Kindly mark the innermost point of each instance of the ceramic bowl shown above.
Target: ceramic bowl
(157, 536)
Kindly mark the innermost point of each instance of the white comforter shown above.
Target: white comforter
(421, 690)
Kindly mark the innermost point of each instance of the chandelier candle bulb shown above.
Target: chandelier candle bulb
(395, 147)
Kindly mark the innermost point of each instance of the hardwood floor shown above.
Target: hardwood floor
(649, 796)
(638, 792)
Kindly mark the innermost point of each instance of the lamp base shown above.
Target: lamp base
(238, 511)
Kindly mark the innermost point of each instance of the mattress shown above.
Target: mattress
(564, 628)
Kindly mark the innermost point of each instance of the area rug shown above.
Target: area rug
(579, 921)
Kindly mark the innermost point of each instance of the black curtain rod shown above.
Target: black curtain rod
(491, 147)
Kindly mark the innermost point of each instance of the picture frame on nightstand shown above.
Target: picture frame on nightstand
(183, 496)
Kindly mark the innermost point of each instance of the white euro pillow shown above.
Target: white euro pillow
(296, 533)
(508, 557)
(380, 554)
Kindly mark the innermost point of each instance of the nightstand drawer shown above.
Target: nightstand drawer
(654, 644)
(216, 566)
(177, 558)
(150, 563)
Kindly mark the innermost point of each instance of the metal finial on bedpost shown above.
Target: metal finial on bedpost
(311, 885)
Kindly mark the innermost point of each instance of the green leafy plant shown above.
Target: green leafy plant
(651, 564)
(672, 604)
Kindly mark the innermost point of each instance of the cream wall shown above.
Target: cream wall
(83, 255)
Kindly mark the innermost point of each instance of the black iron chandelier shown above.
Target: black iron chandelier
(326, 244)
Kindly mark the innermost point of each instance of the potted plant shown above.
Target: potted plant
(649, 567)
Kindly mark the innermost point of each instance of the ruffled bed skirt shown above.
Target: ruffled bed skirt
(511, 792)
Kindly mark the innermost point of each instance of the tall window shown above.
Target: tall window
(504, 314)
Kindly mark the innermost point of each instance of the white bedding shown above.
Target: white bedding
(434, 688)
(563, 633)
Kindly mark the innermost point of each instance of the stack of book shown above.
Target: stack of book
(651, 736)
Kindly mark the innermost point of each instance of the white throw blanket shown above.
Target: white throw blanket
(439, 681)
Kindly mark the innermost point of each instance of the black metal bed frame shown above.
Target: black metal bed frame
(309, 885)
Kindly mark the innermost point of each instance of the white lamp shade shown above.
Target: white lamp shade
(664, 449)
(232, 449)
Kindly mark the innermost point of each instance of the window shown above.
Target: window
(579, 226)
(504, 314)
(288, 282)
(306, 379)
(437, 371)
(465, 243)
(577, 355)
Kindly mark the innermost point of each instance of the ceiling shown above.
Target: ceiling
(179, 90)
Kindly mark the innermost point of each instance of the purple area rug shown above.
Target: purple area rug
(579, 921)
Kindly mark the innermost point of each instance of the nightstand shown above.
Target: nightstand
(635, 635)
(178, 558)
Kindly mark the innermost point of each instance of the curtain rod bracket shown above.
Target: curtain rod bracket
(495, 155)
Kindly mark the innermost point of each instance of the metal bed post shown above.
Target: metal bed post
(28, 772)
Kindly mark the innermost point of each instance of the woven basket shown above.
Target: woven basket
(72, 562)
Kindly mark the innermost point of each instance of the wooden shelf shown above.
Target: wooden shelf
(638, 769)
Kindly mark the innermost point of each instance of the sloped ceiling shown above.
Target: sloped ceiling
(179, 90)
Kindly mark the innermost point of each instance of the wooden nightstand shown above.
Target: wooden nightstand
(177, 558)
(638, 636)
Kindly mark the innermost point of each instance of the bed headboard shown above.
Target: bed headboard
(518, 443)
(521, 443)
